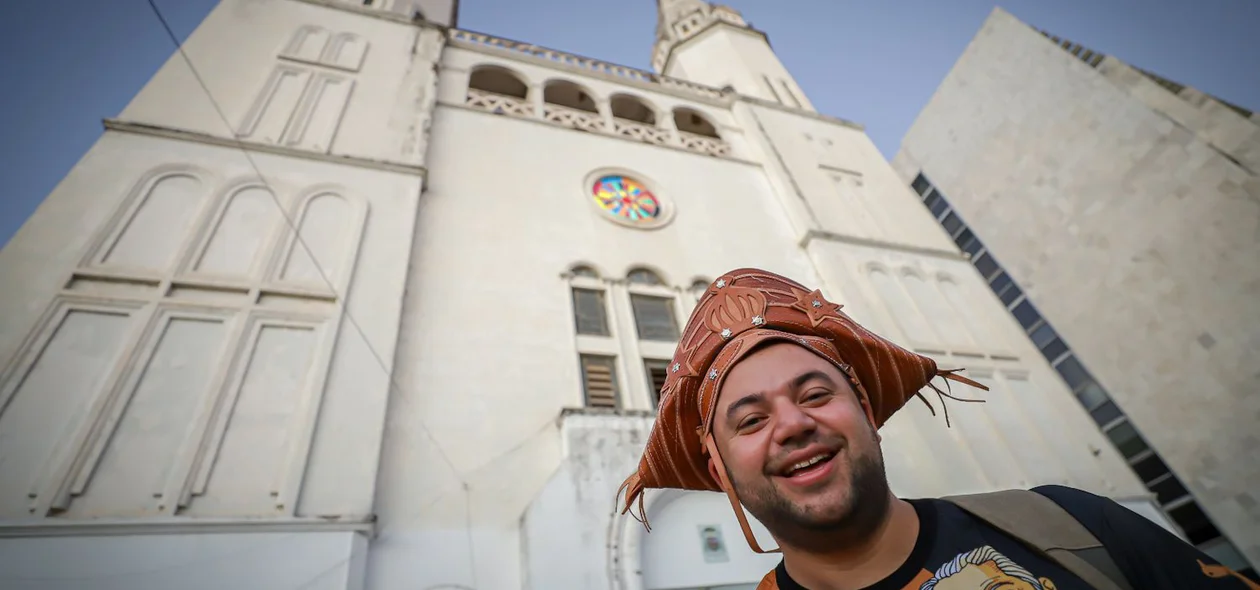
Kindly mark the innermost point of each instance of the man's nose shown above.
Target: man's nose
(793, 426)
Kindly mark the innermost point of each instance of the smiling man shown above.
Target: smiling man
(775, 397)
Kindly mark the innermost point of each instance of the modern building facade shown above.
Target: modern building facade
(1117, 215)
(348, 297)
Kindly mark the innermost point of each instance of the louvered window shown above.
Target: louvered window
(657, 371)
(599, 380)
(590, 312)
(654, 318)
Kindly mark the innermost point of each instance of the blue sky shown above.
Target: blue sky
(69, 64)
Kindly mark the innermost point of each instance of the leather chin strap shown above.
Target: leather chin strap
(730, 494)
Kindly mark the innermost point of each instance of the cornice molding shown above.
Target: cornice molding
(49, 527)
(828, 236)
(381, 14)
(800, 112)
(252, 146)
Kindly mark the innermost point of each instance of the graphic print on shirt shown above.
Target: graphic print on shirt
(1220, 571)
(984, 568)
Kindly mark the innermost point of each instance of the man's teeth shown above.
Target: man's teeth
(808, 463)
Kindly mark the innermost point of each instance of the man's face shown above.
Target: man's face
(797, 444)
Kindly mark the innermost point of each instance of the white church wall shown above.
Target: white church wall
(301, 75)
(286, 416)
(487, 354)
(1030, 430)
(848, 186)
(245, 561)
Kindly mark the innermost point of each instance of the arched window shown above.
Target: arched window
(567, 94)
(582, 270)
(691, 121)
(643, 276)
(497, 80)
(630, 108)
(307, 44)
(347, 51)
(698, 288)
(590, 308)
(653, 306)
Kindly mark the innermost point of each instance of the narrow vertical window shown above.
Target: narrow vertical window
(599, 381)
(657, 371)
(920, 184)
(654, 318)
(589, 312)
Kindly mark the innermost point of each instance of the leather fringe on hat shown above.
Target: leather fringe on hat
(741, 310)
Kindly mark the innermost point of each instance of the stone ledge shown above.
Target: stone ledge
(817, 234)
(52, 527)
(252, 146)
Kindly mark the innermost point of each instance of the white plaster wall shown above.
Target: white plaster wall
(439, 11)
(341, 471)
(1211, 122)
(247, 561)
(568, 528)
(725, 54)
(1136, 240)
(672, 553)
(235, 51)
(1030, 431)
(871, 205)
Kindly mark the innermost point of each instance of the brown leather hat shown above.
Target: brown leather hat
(741, 310)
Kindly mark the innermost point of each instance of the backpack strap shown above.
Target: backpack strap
(1046, 527)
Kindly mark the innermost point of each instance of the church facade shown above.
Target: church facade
(349, 297)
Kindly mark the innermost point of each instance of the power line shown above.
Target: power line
(345, 309)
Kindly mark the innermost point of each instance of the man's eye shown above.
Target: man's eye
(816, 396)
(749, 422)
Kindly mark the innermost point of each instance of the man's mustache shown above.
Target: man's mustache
(832, 443)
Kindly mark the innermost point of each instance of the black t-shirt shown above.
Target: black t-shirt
(956, 551)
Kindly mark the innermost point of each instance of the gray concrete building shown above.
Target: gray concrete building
(1116, 214)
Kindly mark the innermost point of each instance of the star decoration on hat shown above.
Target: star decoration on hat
(681, 369)
(816, 306)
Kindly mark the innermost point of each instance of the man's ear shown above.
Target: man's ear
(713, 472)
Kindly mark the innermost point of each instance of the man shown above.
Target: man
(774, 396)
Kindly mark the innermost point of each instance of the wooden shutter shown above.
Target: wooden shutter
(654, 318)
(599, 379)
(657, 371)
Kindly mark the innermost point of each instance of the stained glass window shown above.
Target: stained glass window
(626, 198)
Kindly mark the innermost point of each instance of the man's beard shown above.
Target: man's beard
(851, 518)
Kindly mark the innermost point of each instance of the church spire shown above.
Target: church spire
(680, 20)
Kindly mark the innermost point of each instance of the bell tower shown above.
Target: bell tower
(712, 44)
